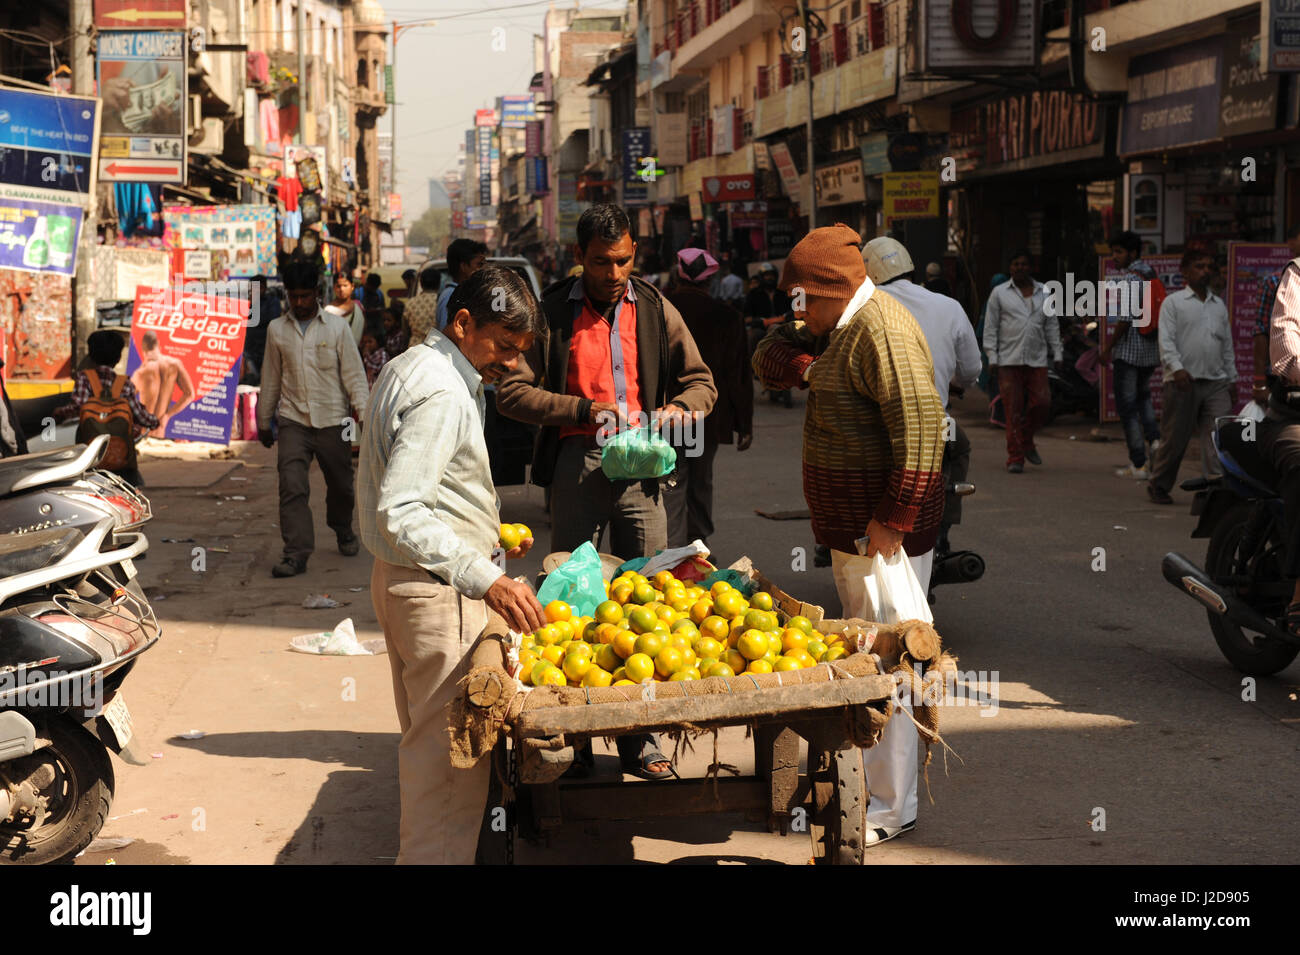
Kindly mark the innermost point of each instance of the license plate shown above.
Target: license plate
(119, 717)
(128, 568)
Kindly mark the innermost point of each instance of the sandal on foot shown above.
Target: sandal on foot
(648, 759)
(875, 836)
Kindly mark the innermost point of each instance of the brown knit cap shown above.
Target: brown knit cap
(827, 263)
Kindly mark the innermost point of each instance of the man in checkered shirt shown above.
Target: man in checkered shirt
(1135, 357)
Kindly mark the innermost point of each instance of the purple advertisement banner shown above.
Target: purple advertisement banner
(39, 236)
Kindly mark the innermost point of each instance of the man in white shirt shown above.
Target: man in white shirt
(731, 287)
(312, 374)
(1020, 338)
(1200, 370)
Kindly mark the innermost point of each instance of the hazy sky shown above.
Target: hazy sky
(445, 72)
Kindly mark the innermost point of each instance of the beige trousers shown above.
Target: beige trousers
(430, 629)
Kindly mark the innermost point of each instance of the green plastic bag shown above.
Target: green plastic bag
(636, 455)
(579, 582)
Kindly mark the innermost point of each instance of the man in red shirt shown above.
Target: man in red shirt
(613, 349)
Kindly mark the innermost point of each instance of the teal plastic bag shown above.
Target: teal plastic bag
(733, 577)
(579, 582)
(636, 455)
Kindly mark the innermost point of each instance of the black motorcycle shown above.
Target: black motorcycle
(1242, 586)
(73, 621)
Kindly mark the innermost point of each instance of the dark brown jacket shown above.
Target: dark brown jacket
(719, 333)
(669, 371)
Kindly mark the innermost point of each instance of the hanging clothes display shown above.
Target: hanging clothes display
(139, 208)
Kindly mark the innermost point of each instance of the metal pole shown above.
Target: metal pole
(301, 31)
(808, 78)
(83, 289)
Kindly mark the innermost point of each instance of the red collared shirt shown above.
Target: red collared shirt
(591, 368)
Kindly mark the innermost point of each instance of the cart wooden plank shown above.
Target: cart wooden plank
(645, 715)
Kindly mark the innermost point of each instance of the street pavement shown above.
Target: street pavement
(1114, 731)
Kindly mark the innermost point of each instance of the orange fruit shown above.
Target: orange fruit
(774, 643)
(700, 610)
(720, 669)
(558, 610)
(816, 649)
(610, 611)
(681, 605)
(621, 593)
(576, 666)
(720, 587)
(682, 641)
(707, 647)
(752, 644)
(547, 635)
(793, 639)
(730, 603)
(552, 676)
(643, 593)
(786, 663)
(597, 677)
(664, 578)
(686, 673)
(665, 613)
(509, 536)
(553, 654)
(642, 619)
(835, 653)
(801, 623)
(540, 667)
(650, 644)
(703, 663)
(802, 656)
(624, 643)
(639, 667)
(716, 627)
(762, 600)
(577, 646)
(605, 632)
(668, 661)
(524, 531)
(564, 628)
(758, 666)
(682, 625)
(620, 674)
(735, 660)
(607, 658)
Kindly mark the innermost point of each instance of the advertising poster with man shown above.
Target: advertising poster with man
(186, 354)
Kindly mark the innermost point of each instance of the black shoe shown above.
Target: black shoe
(349, 546)
(1032, 456)
(821, 556)
(289, 567)
(1158, 496)
(1016, 467)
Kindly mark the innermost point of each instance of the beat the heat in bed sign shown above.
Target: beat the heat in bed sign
(186, 354)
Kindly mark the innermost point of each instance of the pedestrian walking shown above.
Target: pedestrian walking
(1267, 298)
(1134, 349)
(346, 306)
(373, 357)
(422, 311)
(872, 451)
(613, 349)
(1021, 338)
(719, 334)
(464, 258)
(394, 341)
(429, 516)
(314, 381)
(731, 287)
(1200, 370)
(766, 306)
(371, 296)
(953, 350)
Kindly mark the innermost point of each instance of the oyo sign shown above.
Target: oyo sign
(728, 188)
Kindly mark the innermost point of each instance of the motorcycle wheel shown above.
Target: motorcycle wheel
(1251, 653)
(76, 777)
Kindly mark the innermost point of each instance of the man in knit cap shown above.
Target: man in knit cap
(872, 452)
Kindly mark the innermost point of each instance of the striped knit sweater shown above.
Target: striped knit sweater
(873, 431)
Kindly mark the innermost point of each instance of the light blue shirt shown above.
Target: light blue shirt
(425, 496)
(1196, 337)
(443, 297)
(1017, 331)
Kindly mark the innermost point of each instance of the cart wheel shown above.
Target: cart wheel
(839, 817)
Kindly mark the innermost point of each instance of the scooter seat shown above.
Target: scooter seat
(1243, 458)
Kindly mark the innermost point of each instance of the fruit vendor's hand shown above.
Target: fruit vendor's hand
(524, 547)
(744, 441)
(603, 412)
(883, 540)
(672, 413)
(516, 603)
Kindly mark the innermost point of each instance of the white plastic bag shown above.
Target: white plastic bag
(341, 642)
(894, 591)
(668, 559)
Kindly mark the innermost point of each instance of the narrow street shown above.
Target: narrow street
(1111, 700)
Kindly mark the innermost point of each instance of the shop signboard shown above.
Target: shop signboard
(963, 37)
(874, 148)
(242, 239)
(697, 207)
(195, 336)
(516, 111)
(1249, 263)
(729, 188)
(1282, 18)
(1249, 96)
(724, 129)
(39, 236)
(533, 138)
(636, 146)
(910, 195)
(485, 117)
(142, 80)
(1173, 97)
(48, 145)
(483, 158)
(780, 238)
(670, 138)
(840, 184)
(1025, 130)
(140, 14)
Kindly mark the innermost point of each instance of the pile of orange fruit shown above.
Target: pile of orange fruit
(666, 629)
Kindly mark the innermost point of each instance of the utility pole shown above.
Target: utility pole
(299, 42)
(83, 289)
(808, 79)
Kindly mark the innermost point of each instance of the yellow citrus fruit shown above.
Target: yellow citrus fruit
(703, 663)
(663, 579)
(715, 627)
(650, 644)
(576, 666)
(835, 653)
(700, 610)
(538, 668)
(643, 593)
(604, 632)
(591, 632)
(758, 666)
(801, 623)
(786, 663)
(524, 531)
(735, 660)
(729, 603)
(526, 670)
(620, 674)
(509, 536)
(639, 666)
(607, 658)
(595, 676)
(552, 676)
(816, 649)
(774, 643)
(665, 613)
(553, 654)
(762, 600)
(558, 610)
(686, 673)
(668, 661)
(611, 611)
(682, 641)
(621, 592)
(642, 619)
(547, 635)
(720, 587)
(756, 620)
(720, 669)
(793, 639)
(624, 643)
(707, 647)
(802, 656)
(752, 644)
(579, 646)
(683, 625)
(564, 628)
(681, 605)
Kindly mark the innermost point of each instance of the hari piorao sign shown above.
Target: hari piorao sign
(1026, 130)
